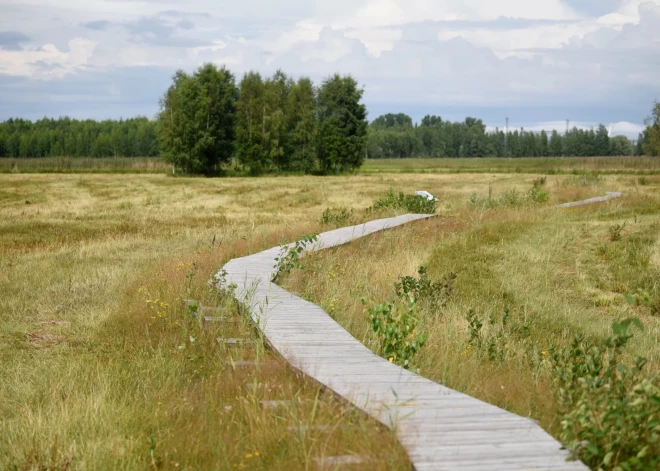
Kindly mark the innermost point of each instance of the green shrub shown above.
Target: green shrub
(493, 341)
(436, 293)
(399, 201)
(336, 217)
(289, 257)
(395, 326)
(611, 411)
(395, 323)
(538, 194)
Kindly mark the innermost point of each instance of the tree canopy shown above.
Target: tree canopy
(197, 119)
(649, 140)
(342, 125)
(73, 138)
(278, 124)
(395, 136)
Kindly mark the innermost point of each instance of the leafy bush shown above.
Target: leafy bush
(493, 341)
(611, 411)
(395, 326)
(336, 217)
(538, 194)
(399, 201)
(395, 323)
(289, 257)
(643, 181)
(436, 293)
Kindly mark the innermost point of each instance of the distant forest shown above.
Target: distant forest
(65, 137)
(395, 136)
(281, 132)
(389, 136)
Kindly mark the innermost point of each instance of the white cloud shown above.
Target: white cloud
(47, 61)
(470, 53)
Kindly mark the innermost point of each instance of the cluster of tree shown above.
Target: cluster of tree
(649, 139)
(72, 138)
(267, 124)
(395, 136)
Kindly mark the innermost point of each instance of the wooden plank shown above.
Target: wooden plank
(599, 199)
(441, 429)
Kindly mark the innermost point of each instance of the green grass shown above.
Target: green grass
(94, 378)
(556, 272)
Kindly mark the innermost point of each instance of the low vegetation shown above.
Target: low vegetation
(104, 366)
(399, 201)
(536, 321)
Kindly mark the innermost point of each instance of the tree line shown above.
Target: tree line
(46, 137)
(395, 136)
(271, 124)
(277, 124)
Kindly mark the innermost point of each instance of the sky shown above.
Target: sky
(538, 62)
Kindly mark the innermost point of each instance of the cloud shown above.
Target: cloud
(544, 60)
(12, 40)
(100, 25)
(47, 61)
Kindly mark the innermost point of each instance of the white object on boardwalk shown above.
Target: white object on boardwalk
(441, 429)
(599, 199)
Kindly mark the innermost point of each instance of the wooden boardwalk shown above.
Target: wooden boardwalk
(441, 429)
(598, 199)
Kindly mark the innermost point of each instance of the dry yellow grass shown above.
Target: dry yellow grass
(94, 378)
(556, 271)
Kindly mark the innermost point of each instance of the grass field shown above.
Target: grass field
(547, 165)
(104, 368)
(84, 165)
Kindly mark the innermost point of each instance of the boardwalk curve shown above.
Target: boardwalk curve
(598, 199)
(441, 429)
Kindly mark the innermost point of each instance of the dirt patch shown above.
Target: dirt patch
(44, 339)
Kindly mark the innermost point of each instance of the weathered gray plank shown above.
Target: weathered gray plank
(441, 429)
(599, 199)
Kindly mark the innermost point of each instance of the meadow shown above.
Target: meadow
(104, 367)
(537, 165)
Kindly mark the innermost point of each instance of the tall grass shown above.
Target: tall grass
(528, 277)
(101, 365)
(537, 165)
(94, 376)
(84, 165)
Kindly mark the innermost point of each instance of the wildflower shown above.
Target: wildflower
(544, 353)
(391, 359)
(248, 456)
(256, 453)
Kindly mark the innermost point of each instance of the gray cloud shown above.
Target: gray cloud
(603, 75)
(100, 25)
(12, 40)
(593, 7)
